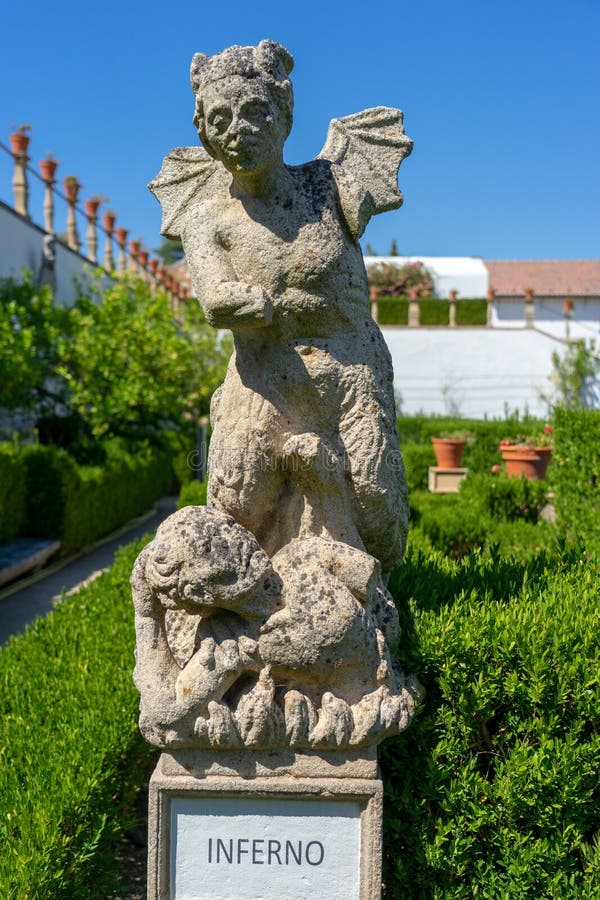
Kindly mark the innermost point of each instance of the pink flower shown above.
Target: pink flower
(495, 469)
(548, 429)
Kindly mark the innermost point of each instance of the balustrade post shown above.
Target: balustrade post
(452, 308)
(529, 308)
(143, 262)
(48, 169)
(414, 309)
(134, 249)
(72, 187)
(19, 143)
(121, 236)
(152, 268)
(490, 307)
(91, 211)
(108, 223)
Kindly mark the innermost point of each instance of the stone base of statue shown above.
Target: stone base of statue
(265, 825)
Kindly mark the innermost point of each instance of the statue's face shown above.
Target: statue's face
(243, 125)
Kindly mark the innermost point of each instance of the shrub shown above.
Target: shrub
(576, 475)
(72, 754)
(417, 460)
(78, 504)
(12, 493)
(192, 494)
(493, 791)
(389, 279)
(454, 528)
(505, 499)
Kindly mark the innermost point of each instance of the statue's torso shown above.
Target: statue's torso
(298, 248)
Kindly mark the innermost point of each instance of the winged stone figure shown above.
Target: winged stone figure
(304, 452)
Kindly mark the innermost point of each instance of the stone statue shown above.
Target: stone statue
(263, 620)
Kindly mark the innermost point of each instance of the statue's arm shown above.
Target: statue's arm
(227, 302)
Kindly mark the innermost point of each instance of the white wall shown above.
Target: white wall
(21, 245)
(472, 371)
(584, 322)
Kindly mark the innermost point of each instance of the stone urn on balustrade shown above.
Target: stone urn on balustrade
(448, 451)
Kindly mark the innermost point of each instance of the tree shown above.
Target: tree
(574, 376)
(133, 367)
(170, 251)
(370, 251)
(393, 248)
(31, 327)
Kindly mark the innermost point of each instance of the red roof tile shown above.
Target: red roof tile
(547, 278)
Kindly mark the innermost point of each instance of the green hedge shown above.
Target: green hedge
(433, 311)
(12, 493)
(577, 473)
(72, 756)
(493, 791)
(78, 504)
(193, 494)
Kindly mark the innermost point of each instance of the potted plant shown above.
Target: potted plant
(528, 456)
(91, 205)
(153, 266)
(449, 446)
(19, 139)
(72, 188)
(48, 167)
(121, 236)
(108, 220)
(143, 258)
(134, 247)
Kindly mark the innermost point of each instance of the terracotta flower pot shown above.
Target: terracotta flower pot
(143, 257)
(153, 266)
(108, 223)
(448, 452)
(134, 248)
(71, 190)
(520, 459)
(121, 236)
(19, 143)
(91, 208)
(48, 169)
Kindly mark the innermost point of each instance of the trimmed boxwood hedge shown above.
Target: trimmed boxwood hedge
(493, 791)
(12, 493)
(72, 755)
(433, 311)
(45, 493)
(576, 466)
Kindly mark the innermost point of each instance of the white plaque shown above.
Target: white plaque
(246, 848)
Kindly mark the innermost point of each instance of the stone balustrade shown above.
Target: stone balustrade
(97, 225)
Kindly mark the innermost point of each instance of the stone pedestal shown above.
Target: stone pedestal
(446, 481)
(269, 825)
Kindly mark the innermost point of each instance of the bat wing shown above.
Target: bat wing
(187, 177)
(368, 147)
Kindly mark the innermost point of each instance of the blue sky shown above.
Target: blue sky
(501, 99)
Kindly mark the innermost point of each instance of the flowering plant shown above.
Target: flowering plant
(542, 438)
(388, 280)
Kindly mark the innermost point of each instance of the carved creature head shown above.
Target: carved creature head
(203, 561)
(244, 102)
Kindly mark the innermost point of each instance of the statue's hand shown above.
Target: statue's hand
(237, 305)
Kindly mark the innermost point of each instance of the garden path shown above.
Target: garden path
(21, 603)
